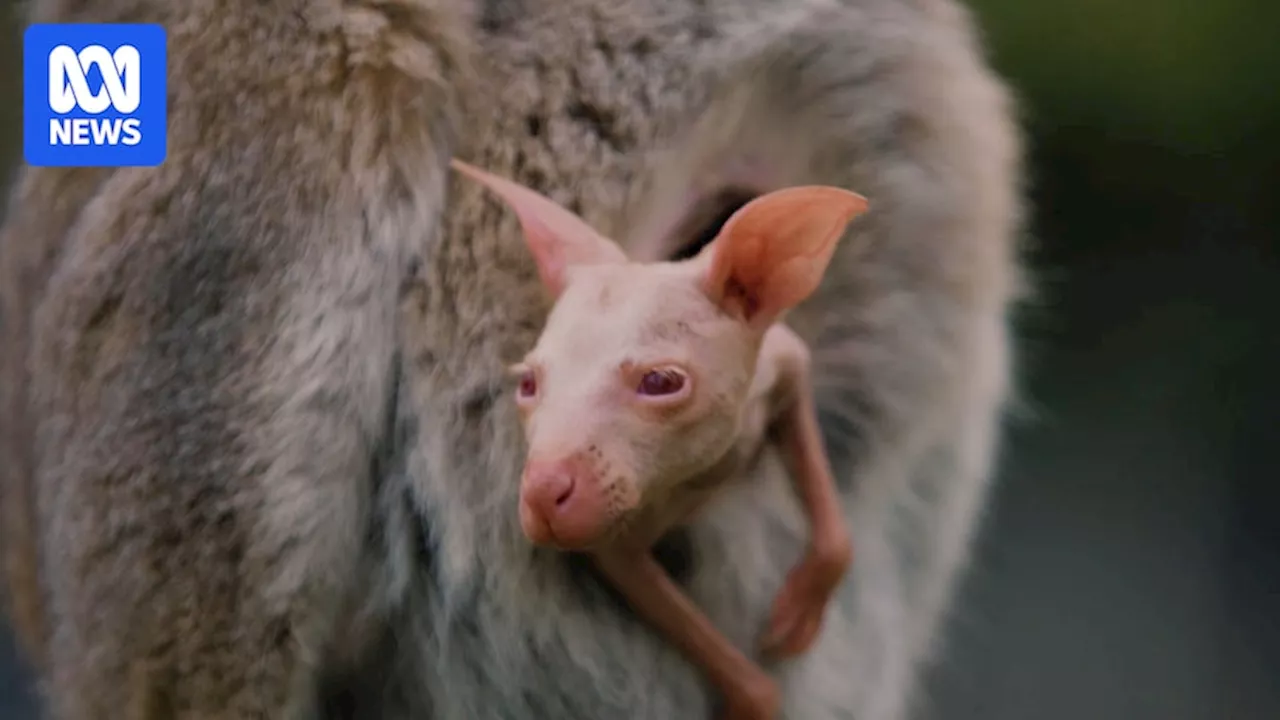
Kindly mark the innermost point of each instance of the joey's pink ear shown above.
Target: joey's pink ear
(772, 253)
(556, 237)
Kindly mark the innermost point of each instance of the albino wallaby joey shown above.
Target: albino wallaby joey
(683, 365)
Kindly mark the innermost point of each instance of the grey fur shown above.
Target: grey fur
(274, 457)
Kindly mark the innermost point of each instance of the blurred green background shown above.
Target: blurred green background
(1130, 565)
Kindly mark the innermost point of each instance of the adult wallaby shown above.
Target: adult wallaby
(261, 459)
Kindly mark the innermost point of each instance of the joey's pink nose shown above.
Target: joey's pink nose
(562, 504)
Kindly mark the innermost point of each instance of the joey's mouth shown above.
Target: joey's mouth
(577, 501)
(580, 516)
(606, 539)
(551, 534)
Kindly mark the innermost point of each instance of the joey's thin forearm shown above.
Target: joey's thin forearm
(812, 475)
(659, 601)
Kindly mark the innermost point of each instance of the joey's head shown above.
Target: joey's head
(640, 377)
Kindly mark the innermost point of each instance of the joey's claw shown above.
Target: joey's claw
(757, 698)
(801, 604)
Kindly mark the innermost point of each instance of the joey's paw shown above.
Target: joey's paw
(755, 698)
(801, 604)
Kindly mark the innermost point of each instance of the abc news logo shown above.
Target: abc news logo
(95, 95)
(69, 88)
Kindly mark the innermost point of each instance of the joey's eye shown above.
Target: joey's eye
(528, 385)
(656, 383)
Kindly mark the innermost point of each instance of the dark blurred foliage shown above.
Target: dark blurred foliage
(1149, 122)
(1130, 565)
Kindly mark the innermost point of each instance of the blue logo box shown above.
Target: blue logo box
(94, 95)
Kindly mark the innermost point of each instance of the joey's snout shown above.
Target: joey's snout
(567, 503)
